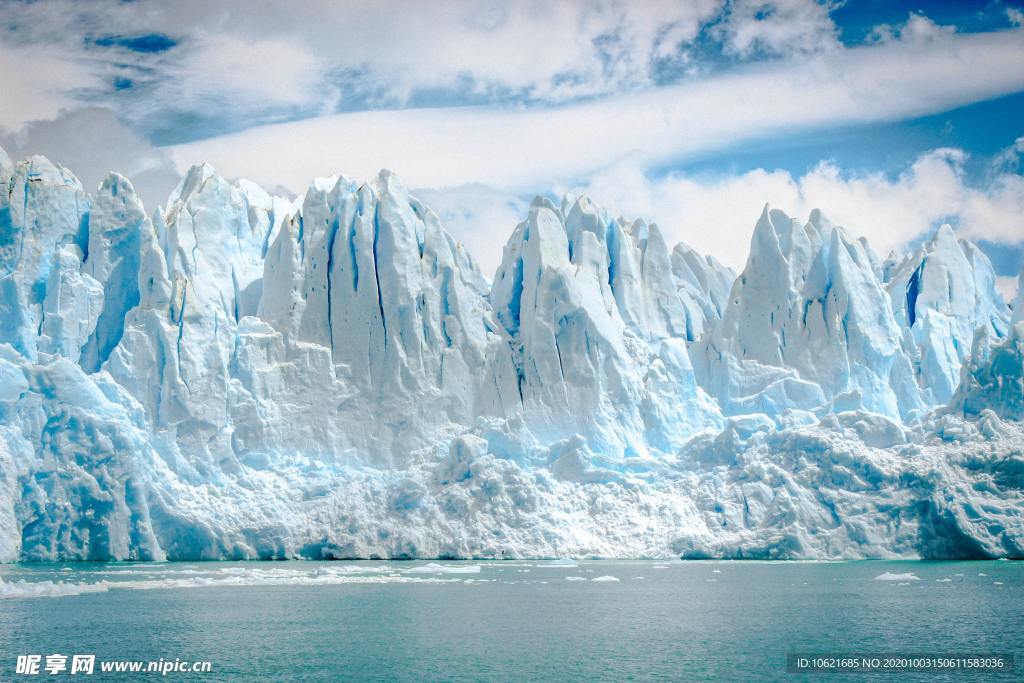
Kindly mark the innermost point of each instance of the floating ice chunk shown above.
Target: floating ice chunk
(434, 568)
(605, 579)
(356, 569)
(268, 577)
(46, 589)
(943, 580)
(575, 578)
(887, 576)
(562, 563)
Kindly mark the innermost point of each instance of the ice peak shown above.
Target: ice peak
(819, 221)
(944, 235)
(196, 177)
(542, 202)
(992, 377)
(777, 233)
(39, 169)
(584, 216)
(115, 184)
(387, 183)
(807, 324)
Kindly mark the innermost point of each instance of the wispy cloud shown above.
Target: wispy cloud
(530, 148)
(92, 142)
(37, 84)
(303, 56)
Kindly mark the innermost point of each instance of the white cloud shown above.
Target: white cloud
(262, 72)
(778, 27)
(38, 84)
(1011, 157)
(532, 148)
(479, 217)
(1008, 287)
(717, 215)
(307, 53)
(917, 29)
(998, 212)
(92, 142)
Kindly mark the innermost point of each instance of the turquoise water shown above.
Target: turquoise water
(301, 621)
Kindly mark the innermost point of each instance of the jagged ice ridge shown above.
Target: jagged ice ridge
(243, 376)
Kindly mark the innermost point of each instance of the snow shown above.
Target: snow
(241, 376)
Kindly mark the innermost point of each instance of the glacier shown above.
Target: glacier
(243, 376)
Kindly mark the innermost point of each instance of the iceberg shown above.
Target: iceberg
(240, 376)
(809, 326)
(943, 293)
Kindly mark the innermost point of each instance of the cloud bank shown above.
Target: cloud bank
(531, 148)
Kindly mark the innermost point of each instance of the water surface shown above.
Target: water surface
(531, 620)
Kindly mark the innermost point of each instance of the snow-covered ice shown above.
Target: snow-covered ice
(237, 376)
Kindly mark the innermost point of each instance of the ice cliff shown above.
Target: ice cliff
(238, 375)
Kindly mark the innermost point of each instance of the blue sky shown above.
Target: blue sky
(890, 116)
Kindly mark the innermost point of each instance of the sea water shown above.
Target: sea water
(526, 620)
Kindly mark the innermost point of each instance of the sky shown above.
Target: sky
(892, 117)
